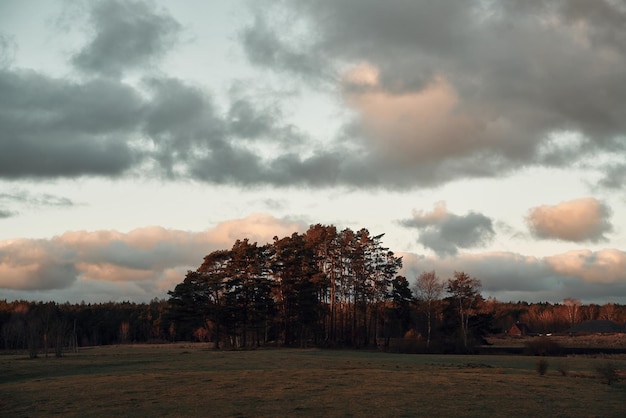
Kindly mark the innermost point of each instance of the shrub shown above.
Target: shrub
(542, 366)
(608, 372)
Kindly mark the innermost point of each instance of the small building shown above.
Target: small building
(519, 329)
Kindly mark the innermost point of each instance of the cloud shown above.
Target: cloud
(275, 204)
(579, 220)
(21, 198)
(101, 125)
(445, 233)
(55, 127)
(43, 199)
(35, 264)
(589, 276)
(291, 49)
(105, 127)
(7, 50)
(614, 176)
(416, 126)
(148, 260)
(434, 93)
(455, 89)
(127, 35)
(6, 213)
(604, 266)
(258, 227)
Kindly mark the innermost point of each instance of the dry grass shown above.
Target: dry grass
(577, 341)
(185, 380)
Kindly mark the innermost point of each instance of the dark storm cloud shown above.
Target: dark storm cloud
(504, 77)
(247, 122)
(445, 232)
(54, 127)
(180, 118)
(248, 144)
(127, 35)
(192, 137)
(228, 163)
(614, 177)
(607, 20)
(267, 47)
(252, 119)
(440, 91)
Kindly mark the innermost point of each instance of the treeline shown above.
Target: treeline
(325, 288)
(51, 328)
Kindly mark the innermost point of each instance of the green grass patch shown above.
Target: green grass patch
(186, 380)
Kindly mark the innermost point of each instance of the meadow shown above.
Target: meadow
(184, 380)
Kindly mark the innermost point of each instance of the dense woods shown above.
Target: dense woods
(50, 328)
(324, 288)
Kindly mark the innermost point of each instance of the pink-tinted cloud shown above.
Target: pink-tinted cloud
(449, 89)
(579, 220)
(258, 227)
(414, 126)
(604, 266)
(590, 276)
(150, 260)
(35, 264)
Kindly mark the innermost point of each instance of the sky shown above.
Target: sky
(138, 136)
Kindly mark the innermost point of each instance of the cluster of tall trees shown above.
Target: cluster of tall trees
(324, 287)
(321, 287)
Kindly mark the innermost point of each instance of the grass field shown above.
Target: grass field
(617, 340)
(191, 380)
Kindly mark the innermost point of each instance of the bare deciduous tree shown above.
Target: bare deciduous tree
(572, 305)
(428, 289)
(608, 311)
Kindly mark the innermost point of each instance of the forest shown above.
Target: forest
(322, 288)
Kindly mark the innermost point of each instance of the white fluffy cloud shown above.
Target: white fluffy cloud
(579, 220)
